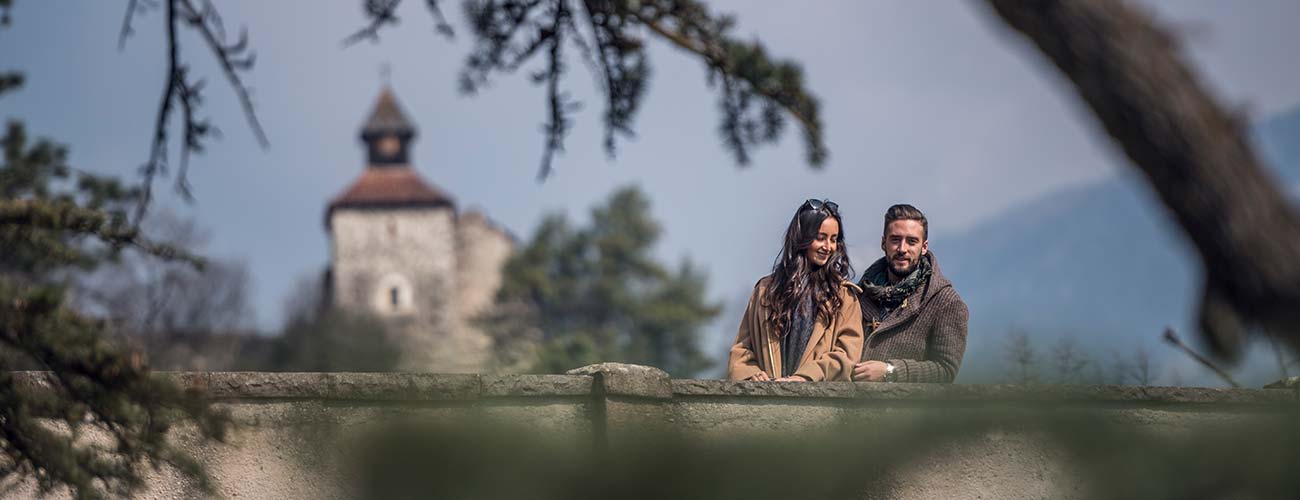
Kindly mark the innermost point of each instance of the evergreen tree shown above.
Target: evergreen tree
(585, 295)
(94, 417)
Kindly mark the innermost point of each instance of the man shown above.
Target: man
(914, 320)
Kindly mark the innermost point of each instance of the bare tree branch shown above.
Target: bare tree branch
(1172, 338)
(233, 58)
(180, 91)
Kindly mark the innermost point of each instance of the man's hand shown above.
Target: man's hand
(792, 378)
(760, 377)
(869, 371)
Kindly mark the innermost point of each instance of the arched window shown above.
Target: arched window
(393, 295)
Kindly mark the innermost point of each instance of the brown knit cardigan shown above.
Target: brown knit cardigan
(925, 337)
(832, 348)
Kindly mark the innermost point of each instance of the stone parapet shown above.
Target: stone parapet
(282, 419)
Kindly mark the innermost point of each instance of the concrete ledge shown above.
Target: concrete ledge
(726, 388)
(619, 380)
(535, 385)
(951, 392)
(380, 386)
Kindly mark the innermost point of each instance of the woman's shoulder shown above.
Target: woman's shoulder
(849, 291)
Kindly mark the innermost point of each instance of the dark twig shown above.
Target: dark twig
(559, 123)
(126, 24)
(384, 12)
(380, 12)
(1172, 338)
(233, 58)
(439, 21)
(157, 163)
(180, 91)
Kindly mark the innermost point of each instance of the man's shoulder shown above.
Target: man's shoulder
(945, 296)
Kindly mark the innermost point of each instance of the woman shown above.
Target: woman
(803, 322)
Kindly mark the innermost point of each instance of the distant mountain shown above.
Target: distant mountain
(1278, 140)
(1104, 263)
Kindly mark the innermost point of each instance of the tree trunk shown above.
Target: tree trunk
(1129, 72)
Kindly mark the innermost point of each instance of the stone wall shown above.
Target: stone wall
(282, 447)
(481, 252)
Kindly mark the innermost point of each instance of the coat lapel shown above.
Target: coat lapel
(773, 352)
(874, 324)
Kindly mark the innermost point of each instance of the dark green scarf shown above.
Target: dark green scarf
(875, 283)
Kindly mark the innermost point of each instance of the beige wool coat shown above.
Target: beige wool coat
(832, 349)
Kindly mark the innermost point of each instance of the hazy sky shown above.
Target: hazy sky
(931, 103)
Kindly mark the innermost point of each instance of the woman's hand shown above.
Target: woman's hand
(761, 377)
(792, 378)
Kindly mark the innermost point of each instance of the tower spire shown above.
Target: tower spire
(388, 132)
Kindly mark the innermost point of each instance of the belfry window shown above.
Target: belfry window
(393, 296)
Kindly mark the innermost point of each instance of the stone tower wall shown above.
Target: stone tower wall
(413, 250)
(482, 249)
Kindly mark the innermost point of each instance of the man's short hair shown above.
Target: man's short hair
(904, 211)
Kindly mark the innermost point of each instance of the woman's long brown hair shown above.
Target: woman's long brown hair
(794, 276)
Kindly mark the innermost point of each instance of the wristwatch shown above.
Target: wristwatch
(890, 375)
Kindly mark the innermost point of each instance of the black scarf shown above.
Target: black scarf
(875, 283)
(795, 338)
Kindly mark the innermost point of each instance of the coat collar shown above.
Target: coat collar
(910, 307)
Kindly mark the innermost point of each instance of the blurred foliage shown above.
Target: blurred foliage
(334, 341)
(1096, 455)
(577, 296)
(319, 338)
(53, 222)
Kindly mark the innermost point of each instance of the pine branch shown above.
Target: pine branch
(687, 25)
(89, 385)
(757, 92)
(63, 216)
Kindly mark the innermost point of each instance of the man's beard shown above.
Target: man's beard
(898, 275)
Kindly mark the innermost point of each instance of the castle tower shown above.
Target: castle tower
(393, 244)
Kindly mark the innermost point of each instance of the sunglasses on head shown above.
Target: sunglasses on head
(829, 205)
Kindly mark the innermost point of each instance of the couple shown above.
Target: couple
(807, 321)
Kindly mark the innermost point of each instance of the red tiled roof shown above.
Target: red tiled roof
(390, 187)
